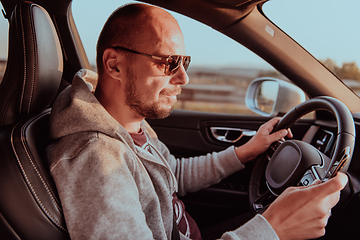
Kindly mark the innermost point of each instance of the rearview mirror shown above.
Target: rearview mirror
(273, 97)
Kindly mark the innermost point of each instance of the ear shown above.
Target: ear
(111, 62)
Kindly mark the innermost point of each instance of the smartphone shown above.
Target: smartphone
(339, 165)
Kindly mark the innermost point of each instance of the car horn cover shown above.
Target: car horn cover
(289, 163)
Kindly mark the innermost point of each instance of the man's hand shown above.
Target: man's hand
(261, 141)
(303, 212)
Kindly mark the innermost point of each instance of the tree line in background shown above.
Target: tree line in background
(348, 70)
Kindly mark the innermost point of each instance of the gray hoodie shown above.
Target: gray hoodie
(111, 189)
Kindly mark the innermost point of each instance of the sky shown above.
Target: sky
(326, 28)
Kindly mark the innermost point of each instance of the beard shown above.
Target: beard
(145, 108)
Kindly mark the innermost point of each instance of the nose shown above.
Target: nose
(180, 77)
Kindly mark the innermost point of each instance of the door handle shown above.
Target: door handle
(230, 135)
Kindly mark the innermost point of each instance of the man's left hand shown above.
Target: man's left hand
(261, 141)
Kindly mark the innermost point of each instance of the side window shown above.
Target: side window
(4, 29)
(220, 70)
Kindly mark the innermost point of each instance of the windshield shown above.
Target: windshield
(329, 30)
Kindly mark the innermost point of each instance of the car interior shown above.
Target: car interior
(45, 52)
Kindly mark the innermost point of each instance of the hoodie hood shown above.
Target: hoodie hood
(76, 109)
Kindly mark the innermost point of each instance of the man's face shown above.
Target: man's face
(154, 96)
(153, 101)
(148, 91)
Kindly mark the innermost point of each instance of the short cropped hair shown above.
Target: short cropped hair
(122, 28)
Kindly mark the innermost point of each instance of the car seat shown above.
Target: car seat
(29, 204)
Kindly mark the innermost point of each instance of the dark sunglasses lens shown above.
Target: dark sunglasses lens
(173, 64)
(186, 62)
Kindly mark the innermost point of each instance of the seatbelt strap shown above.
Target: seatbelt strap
(175, 235)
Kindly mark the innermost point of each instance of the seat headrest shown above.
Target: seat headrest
(35, 64)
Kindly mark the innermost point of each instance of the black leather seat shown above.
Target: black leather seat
(29, 205)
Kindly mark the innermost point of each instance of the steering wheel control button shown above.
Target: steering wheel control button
(307, 179)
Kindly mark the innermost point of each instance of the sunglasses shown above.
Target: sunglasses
(172, 64)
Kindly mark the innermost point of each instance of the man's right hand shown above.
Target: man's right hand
(303, 212)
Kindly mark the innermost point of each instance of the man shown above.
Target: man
(116, 180)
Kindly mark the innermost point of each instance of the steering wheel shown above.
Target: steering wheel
(297, 163)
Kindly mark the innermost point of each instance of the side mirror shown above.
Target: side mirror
(272, 97)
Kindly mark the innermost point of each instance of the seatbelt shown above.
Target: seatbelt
(175, 235)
